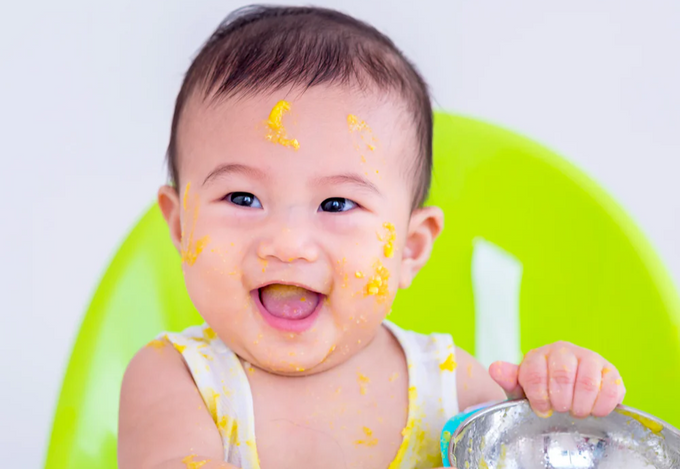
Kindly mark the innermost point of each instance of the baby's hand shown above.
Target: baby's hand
(562, 377)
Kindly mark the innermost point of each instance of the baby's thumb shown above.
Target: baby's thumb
(507, 376)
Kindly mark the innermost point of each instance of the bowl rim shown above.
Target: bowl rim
(515, 402)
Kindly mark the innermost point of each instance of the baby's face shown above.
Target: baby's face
(293, 221)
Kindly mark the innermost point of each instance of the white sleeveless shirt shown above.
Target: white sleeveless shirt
(222, 381)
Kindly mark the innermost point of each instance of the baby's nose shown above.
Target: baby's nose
(290, 242)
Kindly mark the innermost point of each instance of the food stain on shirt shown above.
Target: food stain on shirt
(210, 398)
(449, 364)
(190, 249)
(277, 132)
(157, 344)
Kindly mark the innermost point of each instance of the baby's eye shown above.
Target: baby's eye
(244, 199)
(336, 204)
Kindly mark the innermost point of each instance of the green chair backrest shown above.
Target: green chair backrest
(588, 276)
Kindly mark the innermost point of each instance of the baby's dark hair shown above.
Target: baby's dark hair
(264, 48)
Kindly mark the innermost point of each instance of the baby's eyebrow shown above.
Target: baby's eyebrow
(231, 168)
(347, 178)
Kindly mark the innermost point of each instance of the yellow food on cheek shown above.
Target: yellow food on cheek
(277, 133)
(377, 284)
(391, 238)
(190, 249)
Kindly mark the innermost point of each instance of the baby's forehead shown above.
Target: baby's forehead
(321, 115)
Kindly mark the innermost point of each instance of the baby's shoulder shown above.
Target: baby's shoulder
(159, 362)
(157, 393)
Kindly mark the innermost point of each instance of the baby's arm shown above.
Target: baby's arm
(162, 419)
(473, 382)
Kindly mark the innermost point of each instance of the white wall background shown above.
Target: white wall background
(86, 96)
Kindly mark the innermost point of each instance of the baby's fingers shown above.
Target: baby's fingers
(611, 393)
(533, 377)
(587, 387)
(562, 365)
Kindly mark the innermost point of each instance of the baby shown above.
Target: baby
(300, 158)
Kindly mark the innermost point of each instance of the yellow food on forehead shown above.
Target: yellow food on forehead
(277, 132)
(354, 123)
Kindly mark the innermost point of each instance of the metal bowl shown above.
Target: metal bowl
(511, 436)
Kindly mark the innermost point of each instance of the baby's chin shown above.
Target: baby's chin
(321, 350)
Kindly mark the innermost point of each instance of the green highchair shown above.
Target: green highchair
(533, 252)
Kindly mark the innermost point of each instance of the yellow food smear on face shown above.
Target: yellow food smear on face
(618, 381)
(605, 370)
(389, 242)
(449, 364)
(190, 248)
(370, 440)
(354, 123)
(363, 382)
(377, 285)
(649, 424)
(191, 464)
(277, 133)
(394, 376)
(358, 274)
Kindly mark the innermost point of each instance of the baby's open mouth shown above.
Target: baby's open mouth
(289, 301)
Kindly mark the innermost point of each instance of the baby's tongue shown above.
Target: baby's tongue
(288, 301)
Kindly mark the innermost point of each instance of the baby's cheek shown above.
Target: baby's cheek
(214, 283)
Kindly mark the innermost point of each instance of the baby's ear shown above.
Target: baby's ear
(425, 225)
(168, 201)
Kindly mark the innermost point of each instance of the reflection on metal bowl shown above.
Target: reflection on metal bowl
(511, 436)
